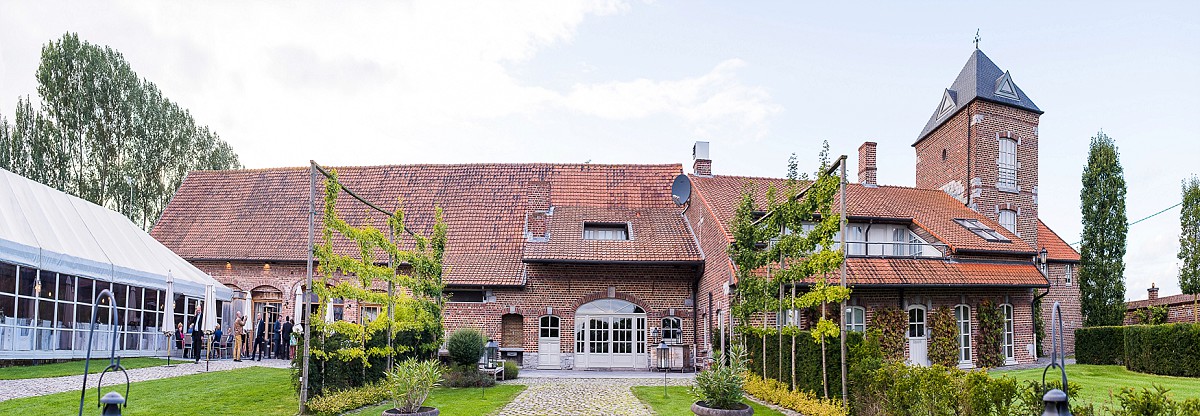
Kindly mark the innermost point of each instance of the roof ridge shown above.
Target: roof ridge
(480, 164)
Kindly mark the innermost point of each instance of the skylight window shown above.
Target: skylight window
(983, 231)
(605, 231)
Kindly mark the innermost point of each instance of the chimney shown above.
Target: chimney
(536, 210)
(1152, 292)
(701, 164)
(866, 163)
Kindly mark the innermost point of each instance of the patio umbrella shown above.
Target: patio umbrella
(210, 316)
(299, 305)
(168, 322)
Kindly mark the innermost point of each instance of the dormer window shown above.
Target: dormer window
(983, 231)
(605, 231)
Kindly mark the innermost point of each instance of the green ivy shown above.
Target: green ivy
(943, 337)
(991, 334)
(891, 323)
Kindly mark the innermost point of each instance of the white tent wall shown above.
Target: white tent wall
(42, 228)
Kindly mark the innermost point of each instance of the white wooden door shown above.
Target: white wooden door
(918, 339)
(549, 343)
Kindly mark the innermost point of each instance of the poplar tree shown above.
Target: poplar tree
(1102, 202)
(1189, 241)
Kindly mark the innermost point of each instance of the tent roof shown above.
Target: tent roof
(51, 230)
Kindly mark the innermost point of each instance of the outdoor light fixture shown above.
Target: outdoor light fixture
(112, 402)
(664, 362)
(37, 286)
(1042, 256)
(490, 351)
(1056, 401)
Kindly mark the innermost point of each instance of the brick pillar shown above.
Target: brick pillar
(866, 163)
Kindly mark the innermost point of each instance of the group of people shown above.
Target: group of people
(272, 340)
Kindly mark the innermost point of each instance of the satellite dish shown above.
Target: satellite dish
(681, 190)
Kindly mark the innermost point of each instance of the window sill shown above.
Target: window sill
(1008, 190)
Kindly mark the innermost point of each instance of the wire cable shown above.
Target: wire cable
(1143, 219)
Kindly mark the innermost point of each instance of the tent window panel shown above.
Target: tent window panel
(66, 288)
(25, 311)
(8, 309)
(83, 291)
(66, 315)
(8, 278)
(119, 292)
(26, 279)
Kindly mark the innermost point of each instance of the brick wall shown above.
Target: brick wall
(1068, 297)
(1180, 308)
(718, 269)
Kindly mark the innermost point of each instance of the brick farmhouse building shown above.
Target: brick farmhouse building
(590, 266)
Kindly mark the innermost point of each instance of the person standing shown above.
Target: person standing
(260, 338)
(289, 340)
(276, 327)
(197, 333)
(239, 324)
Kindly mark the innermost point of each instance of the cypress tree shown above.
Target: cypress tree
(1189, 240)
(1102, 201)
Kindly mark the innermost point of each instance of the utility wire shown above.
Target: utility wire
(1143, 219)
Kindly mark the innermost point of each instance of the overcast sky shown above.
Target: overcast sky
(638, 82)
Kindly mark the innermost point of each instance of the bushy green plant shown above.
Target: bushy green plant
(341, 401)
(329, 371)
(411, 382)
(1100, 345)
(807, 354)
(466, 346)
(511, 370)
(467, 376)
(1171, 349)
(991, 335)
(777, 393)
(1151, 315)
(721, 386)
(943, 337)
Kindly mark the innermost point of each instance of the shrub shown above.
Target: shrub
(720, 386)
(892, 323)
(342, 401)
(411, 381)
(1151, 315)
(468, 376)
(328, 372)
(511, 370)
(943, 337)
(991, 335)
(801, 401)
(1101, 345)
(466, 346)
(807, 353)
(865, 359)
(1171, 349)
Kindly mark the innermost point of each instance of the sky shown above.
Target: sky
(612, 81)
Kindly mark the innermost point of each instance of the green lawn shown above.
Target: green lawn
(73, 368)
(246, 391)
(1096, 381)
(679, 401)
(464, 402)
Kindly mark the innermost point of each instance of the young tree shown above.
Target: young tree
(1189, 241)
(1102, 201)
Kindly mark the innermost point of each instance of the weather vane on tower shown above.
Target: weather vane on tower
(977, 38)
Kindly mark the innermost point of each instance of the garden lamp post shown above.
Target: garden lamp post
(1056, 400)
(664, 362)
(491, 350)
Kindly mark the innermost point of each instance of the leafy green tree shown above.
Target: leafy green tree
(106, 135)
(1189, 240)
(1102, 278)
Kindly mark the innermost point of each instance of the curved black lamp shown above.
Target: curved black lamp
(1056, 400)
(112, 402)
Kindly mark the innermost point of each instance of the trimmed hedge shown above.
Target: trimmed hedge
(1100, 345)
(1171, 349)
(808, 359)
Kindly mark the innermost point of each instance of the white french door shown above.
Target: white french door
(610, 341)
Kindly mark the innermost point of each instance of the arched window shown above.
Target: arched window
(672, 330)
(548, 327)
(916, 321)
(608, 306)
(1009, 335)
(962, 314)
(856, 319)
(1008, 220)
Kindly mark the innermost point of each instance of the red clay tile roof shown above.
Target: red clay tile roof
(932, 210)
(655, 235)
(899, 271)
(1056, 248)
(259, 214)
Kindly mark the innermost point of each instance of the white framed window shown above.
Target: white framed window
(1068, 270)
(856, 319)
(900, 242)
(1007, 164)
(1008, 220)
(548, 326)
(788, 317)
(962, 314)
(605, 231)
(916, 321)
(370, 312)
(916, 245)
(855, 240)
(672, 330)
(1010, 353)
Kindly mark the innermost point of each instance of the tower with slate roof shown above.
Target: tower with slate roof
(981, 146)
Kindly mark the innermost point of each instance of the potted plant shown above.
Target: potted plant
(719, 388)
(410, 383)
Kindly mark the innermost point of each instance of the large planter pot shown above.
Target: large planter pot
(700, 409)
(423, 411)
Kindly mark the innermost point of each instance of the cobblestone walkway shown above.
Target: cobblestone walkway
(582, 397)
(14, 389)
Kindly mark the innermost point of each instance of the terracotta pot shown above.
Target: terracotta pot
(700, 409)
(423, 411)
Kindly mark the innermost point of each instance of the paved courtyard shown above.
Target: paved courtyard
(15, 389)
(599, 394)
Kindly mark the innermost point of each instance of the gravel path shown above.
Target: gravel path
(13, 389)
(582, 396)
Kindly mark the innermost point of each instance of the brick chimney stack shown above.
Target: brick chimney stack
(1152, 292)
(866, 163)
(701, 163)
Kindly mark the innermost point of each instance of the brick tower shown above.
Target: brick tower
(981, 146)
